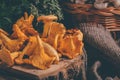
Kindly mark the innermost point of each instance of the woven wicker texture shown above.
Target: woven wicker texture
(108, 17)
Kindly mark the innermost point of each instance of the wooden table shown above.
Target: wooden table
(73, 69)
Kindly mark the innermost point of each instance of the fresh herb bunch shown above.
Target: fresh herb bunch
(11, 10)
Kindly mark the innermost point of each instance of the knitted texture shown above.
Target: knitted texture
(97, 36)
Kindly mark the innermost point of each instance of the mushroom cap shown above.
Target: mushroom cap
(47, 17)
(6, 57)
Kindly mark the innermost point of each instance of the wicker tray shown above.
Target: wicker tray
(80, 13)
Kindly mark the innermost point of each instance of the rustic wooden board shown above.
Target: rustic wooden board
(59, 71)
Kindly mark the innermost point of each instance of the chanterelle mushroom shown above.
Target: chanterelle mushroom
(71, 45)
(40, 54)
(49, 50)
(53, 31)
(12, 45)
(17, 33)
(25, 25)
(39, 58)
(56, 33)
(28, 50)
(4, 32)
(47, 20)
(8, 57)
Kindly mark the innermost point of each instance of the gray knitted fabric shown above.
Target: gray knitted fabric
(97, 36)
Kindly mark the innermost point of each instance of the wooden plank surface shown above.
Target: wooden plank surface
(54, 72)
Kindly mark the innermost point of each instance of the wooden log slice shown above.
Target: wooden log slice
(65, 70)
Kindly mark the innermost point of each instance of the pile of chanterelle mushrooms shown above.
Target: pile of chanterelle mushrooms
(26, 46)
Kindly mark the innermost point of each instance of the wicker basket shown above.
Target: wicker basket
(80, 13)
